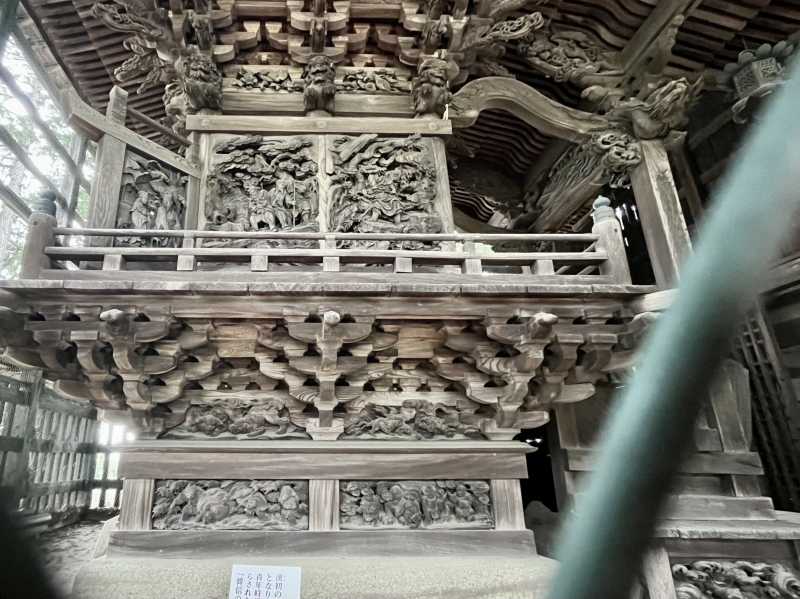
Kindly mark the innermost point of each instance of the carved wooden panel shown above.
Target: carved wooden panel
(230, 505)
(260, 183)
(383, 185)
(413, 504)
(709, 579)
(153, 197)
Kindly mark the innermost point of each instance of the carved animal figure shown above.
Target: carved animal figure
(320, 89)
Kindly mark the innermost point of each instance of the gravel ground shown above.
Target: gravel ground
(66, 550)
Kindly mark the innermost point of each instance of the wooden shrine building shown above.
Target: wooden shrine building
(343, 260)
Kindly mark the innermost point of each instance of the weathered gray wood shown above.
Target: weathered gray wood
(313, 447)
(97, 127)
(38, 236)
(349, 466)
(507, 504)
(636, 50)
(137, 504)
(245, 102)
(323, 505)
(699, 463)
(609, 230)
(657, 301)
(273, 125)
(660, 213)
(657, 574)
(729, 549)
(399, 543)
(714, 507)
(104, 199)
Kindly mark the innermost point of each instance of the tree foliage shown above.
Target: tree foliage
(19, 124)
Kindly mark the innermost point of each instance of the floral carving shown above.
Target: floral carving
(745, 580)
(570, 56)
(374, 81)
(153, 198)
(264, 183)
(415, 504)
(383, 186)
(414, 419)
(267, 81)
(230, 505)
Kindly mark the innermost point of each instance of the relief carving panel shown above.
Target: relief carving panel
(748, 580)
(153, 197)
(411, 504)
(383, 185)
(263, 184)
(230, 505)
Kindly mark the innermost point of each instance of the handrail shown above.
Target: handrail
(600, 258)
(206, 234)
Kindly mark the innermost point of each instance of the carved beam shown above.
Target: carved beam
(660, 19)
(526, 103)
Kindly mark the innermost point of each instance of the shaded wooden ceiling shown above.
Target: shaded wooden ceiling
(714, 32)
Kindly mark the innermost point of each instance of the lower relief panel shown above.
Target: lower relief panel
(230, 505)
(413, 504)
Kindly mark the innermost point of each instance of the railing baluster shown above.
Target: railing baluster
(403, 264)
(472, 264)
(114, 262)
(186, 262)
(543, 267)
(259, 263)
(330, 263)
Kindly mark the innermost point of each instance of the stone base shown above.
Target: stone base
(322, 578)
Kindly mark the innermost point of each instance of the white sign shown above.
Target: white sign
(264, 582)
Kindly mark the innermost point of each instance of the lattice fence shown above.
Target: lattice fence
(771, 424)
(50, 458)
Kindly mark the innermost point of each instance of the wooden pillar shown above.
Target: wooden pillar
(507, 504)
(657, 574)
(38, 237)
(104, 202)
(660, 213)
(323, 505)
(137, 503)
(607, 227)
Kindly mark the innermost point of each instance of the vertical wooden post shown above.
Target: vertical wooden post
(22, 481)
(607, 227)
(38, 237)
(657, 574)
(104, 202)
(323, 505)
(137, 504)
(663, 225)
(507, 505)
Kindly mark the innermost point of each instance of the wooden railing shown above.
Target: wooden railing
(600, 257)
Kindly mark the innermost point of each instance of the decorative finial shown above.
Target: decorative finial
(602, 210)
(46, 202)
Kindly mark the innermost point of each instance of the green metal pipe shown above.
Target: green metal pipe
(650, 430)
